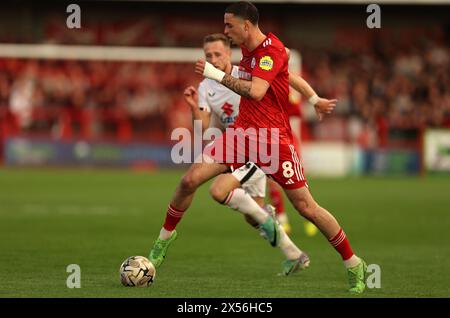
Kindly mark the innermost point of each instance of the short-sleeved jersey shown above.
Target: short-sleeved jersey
(268, 61)
(220, 100)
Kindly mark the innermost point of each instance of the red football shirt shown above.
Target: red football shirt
(269, 61)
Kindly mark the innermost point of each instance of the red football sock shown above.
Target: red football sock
(276, 197)
(173, 216)
(341, 244)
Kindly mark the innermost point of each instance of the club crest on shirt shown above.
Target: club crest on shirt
(253, 63)
(266, 63)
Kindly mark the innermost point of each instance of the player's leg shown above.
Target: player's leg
(295, 258)
(296, 123)
(226, 189)
(256, 188)
(258, 199)
(196, 175)
(276, 197)
(303, 201)
(241, 199)
(291, 177)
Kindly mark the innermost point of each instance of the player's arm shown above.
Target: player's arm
(191, 97)
(254, 89)
(321, 105)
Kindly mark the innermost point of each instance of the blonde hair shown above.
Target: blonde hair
(217, 37)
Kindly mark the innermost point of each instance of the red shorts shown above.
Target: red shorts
(279, 160)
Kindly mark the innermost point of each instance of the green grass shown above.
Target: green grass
(52, 218)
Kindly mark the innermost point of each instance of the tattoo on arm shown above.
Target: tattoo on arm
(241, 87)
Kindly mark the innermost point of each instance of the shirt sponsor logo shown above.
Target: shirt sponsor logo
(266, 63)
(227, 109)
(227, 120)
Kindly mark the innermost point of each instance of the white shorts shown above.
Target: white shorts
(252, 179)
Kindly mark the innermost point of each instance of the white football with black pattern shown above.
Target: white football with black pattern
(137, 271)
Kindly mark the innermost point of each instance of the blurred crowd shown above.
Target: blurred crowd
(94, 99)
(390, 85)
(382, 85)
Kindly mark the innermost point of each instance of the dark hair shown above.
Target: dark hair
(217, 37)
(245, 10)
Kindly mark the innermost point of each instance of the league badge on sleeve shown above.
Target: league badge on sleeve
(266, 63)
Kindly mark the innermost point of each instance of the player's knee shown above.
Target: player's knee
(309, 210)
(217, 192)
(189, 182)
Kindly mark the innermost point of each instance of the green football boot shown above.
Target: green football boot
(294, 265)
(270, 231)
(357, 278)
(159, 250)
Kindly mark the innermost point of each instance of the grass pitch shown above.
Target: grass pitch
(96, 219)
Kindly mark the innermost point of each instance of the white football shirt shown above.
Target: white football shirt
(220, 100)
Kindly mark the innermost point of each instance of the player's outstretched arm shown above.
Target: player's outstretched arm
(191, 97)
(255, 89)
(321, 105)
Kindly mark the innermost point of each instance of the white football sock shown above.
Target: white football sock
(282, 218)
(352, 261)
(164, 234)
(240, 200)
(289, 249)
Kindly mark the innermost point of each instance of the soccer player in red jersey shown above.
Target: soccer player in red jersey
(263, 85)
(216, 106)
(212, 97)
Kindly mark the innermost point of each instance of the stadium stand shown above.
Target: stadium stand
(391, 83)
